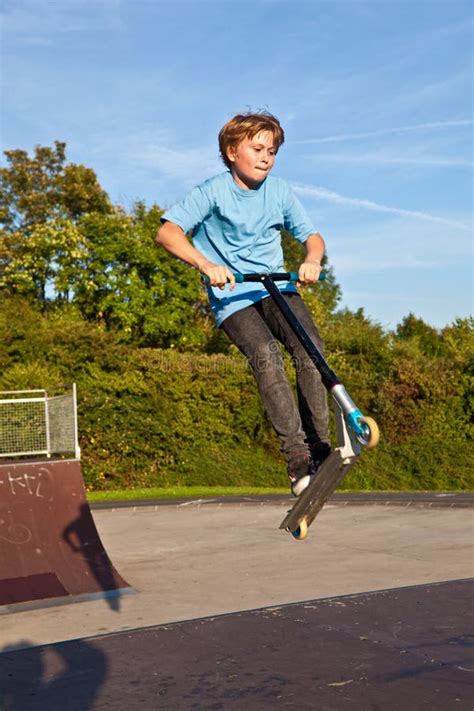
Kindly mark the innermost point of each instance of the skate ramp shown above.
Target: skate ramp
(50, 550)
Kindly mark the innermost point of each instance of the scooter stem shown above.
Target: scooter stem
(328, 376)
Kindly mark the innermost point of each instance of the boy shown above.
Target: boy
(235, 218)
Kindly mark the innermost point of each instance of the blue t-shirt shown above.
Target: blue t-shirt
(241, 229)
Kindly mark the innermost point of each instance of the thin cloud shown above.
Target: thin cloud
(349, 264)
(380, 159)
(190, 165)
(331, 196)
(434, 125)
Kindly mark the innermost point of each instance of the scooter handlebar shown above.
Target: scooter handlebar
(274, 276)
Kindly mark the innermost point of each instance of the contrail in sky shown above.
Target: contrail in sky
(387, 131)
(331, 196)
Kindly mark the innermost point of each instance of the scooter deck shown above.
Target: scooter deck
(309, 504)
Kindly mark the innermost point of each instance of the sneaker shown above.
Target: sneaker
(319, 452)
(300, 473)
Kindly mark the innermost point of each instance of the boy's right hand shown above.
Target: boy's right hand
(218, 275)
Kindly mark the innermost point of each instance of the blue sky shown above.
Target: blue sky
(375, 97)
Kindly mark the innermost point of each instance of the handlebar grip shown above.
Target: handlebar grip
(283, 276)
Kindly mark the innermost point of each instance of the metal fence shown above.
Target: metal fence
(38, 422)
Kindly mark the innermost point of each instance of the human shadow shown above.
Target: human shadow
(82, 537)
(46, 678)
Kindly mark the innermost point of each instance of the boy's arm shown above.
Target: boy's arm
(310, 269)
(173, 239)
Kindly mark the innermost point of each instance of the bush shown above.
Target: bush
(151, 417)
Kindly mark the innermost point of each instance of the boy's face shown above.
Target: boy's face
(252, 159)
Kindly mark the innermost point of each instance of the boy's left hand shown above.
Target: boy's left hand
(309, 272)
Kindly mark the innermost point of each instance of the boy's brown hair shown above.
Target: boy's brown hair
(247, 126)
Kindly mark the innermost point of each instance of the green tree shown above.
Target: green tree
(50, 253)
(41, 200)
(426, 337)
(62, 239)
(131, 285)
(457, 341)
(36, 189)
(327, 292)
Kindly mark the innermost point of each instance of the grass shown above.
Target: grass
(181, 492)
(200, 492)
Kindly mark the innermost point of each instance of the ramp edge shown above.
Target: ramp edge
(66, 600)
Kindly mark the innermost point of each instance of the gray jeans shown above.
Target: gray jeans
(255, 330)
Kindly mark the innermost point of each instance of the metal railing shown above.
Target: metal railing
(38, 422)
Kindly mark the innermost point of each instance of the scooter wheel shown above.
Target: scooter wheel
(301, 532)
(371, 436)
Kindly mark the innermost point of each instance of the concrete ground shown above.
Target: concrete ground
(192, 561)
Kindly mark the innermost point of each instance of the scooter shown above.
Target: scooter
(353, 429)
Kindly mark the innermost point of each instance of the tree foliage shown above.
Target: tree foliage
(41, 200)
(326, 293)
(49, 253)
(63, 240)
(43, 187)
(132, 286)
